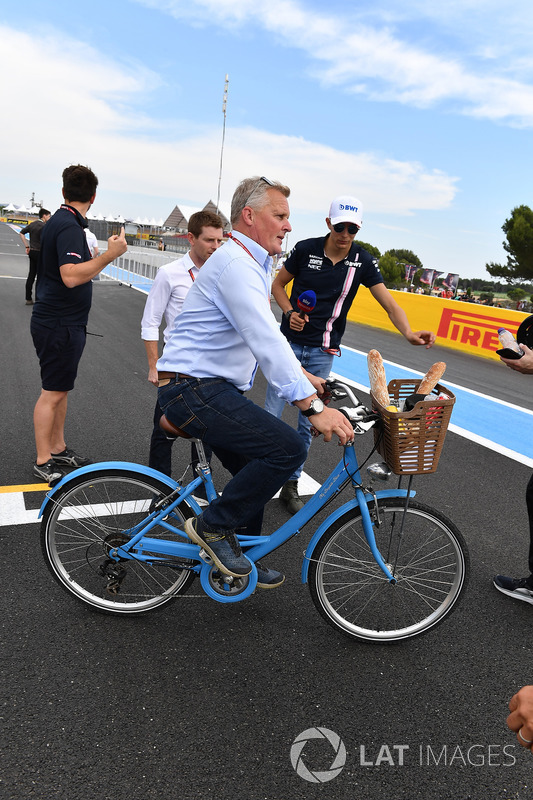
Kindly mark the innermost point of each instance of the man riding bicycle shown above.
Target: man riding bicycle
(225, 330)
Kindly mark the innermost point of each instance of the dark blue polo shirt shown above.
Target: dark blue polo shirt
(335, 286)
(62, 242)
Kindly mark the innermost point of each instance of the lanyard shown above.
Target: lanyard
(243, 247)
(191, 273)
(251, 256)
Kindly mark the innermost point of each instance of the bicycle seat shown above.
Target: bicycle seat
(172, 430)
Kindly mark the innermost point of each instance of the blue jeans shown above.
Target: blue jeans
(315, 361)
(267, 449)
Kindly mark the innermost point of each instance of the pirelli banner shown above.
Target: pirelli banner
(469, 327)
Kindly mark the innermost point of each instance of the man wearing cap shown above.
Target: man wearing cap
(333, 266)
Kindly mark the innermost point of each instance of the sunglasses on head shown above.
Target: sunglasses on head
(262, 178)
(340, 226)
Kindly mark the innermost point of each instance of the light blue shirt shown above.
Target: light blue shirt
(226, 327)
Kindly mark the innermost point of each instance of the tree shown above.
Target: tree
(519, 246)
(406, 257)
(371, 249)
(516, 294)
(392, 272)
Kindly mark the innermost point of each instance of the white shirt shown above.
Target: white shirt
(166, 296)
(92, 241)
(226, 326)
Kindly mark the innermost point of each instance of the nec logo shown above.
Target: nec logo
(347, 208)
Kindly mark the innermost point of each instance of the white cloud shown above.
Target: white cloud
(361, 51)
(92, 118)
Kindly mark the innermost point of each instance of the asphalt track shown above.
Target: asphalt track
(205, 700)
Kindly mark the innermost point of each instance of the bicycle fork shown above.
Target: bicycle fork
(368, 528)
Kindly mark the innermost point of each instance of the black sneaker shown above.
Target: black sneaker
(268, 578)
(223, 548)
(519, 588)
(290, 497)
(49, 472)
(68, 458)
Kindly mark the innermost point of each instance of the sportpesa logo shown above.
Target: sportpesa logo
(337, 764)
(347, 208)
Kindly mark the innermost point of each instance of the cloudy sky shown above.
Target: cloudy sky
(423, 111)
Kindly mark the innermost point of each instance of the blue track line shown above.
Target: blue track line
(493, 423)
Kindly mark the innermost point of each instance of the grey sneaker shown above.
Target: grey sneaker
(223, 548)
(49, 472)
(268, 578)
(519, 588)
(290, 497)
(68, 458)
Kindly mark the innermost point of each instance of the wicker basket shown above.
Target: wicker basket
(411, 441)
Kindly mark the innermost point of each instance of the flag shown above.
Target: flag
(451, 281)
(409, 272)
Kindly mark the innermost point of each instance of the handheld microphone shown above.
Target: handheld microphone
(306, 302)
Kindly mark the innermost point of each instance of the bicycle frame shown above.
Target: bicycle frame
(255, 547)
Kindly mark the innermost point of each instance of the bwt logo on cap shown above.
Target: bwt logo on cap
(346, 208)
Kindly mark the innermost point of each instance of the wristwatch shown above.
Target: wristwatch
(287, 314)
(315, 408)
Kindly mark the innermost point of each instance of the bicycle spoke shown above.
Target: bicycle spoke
(89, 521)
(354, 594)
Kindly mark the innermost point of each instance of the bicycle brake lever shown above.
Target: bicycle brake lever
(362, 420)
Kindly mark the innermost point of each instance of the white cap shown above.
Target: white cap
(346, 209)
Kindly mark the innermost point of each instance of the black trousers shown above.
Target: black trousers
(529, 502)
(32, 274)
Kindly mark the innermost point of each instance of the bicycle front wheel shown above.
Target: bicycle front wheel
(427, 556)
(89, 517)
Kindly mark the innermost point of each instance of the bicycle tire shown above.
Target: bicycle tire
(89, 516)
(431, 567)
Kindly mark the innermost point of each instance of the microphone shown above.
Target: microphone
(306, 302)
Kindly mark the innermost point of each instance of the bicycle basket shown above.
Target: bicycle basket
(411, 441)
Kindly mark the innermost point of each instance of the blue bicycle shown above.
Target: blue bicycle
(382, 567)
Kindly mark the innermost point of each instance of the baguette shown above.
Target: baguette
(378, 381)
(431, 378)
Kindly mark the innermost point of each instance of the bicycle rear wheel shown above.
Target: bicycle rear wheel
(89, 517)
(429, 560)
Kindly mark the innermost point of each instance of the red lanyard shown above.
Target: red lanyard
(243, 246)
(251, 256)
(192, 275)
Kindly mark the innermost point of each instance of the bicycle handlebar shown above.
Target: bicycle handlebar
(361, 418)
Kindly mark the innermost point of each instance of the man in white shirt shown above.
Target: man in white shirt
(92, 243)
(165, 299)
(224, 331)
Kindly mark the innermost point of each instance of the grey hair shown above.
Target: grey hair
(253, 192)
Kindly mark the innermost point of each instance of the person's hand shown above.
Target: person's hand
(331, 422)
(152, 376)
(117, 245)
(319, 384)
(296, 322)
(524, 364)
(421, 337)
(520, 720)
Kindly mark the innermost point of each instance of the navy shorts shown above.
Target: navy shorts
(59, 350)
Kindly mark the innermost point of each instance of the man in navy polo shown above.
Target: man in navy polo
(334, 267)
(60, 313)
